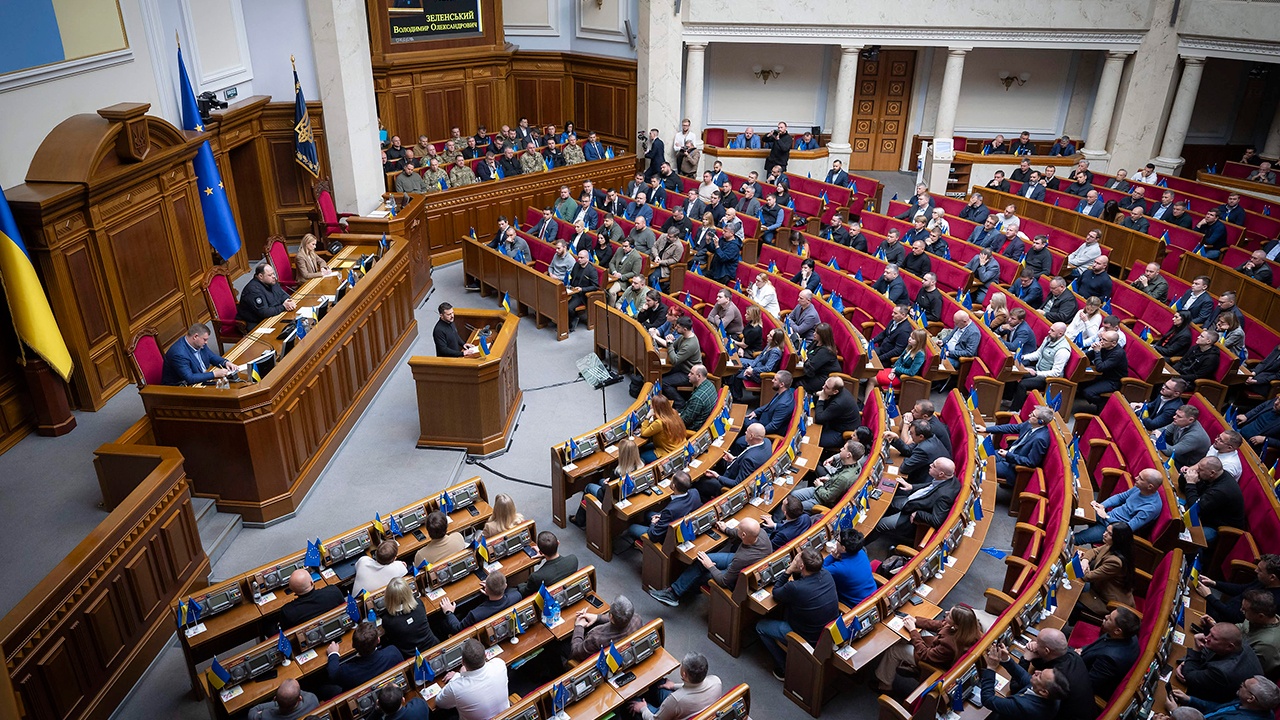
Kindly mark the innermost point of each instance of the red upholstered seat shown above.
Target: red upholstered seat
(148, 358)
(330, 218)
(278, 255)
(221, 300)
(715, 137)
(1082, 634)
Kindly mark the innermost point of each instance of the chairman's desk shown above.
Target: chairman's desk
(471, 402)
(247, 621)
(257, 448)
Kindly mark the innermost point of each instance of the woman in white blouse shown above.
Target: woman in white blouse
(1088, 320)
(939, 220)
(763, 294)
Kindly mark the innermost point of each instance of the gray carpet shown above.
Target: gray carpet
(379, 469)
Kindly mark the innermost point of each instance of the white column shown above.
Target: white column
(842, 117)
(939, 169)
(658, 47)
(1104, 105)
(693, 77)
(1272, 147)
(344, 71)
(1175, 130)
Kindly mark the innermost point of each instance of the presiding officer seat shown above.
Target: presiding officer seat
(147, 358)
(277, 253)
(221, 299)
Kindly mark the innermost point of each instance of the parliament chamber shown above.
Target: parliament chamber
(885, 371)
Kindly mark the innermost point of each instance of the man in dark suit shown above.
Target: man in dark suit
(1137, 198)
(1091, 205)
(892, 340)
(976, 211)
(998, 182)
(1265, 371)
(924, 410)
(369, 661)
(1215, 235)
(1219, 495)
(1061, 306)
(964, 339)
(190, 361)
(738, 466)
(554, 568)
(488, 170)
(926, 502)
(1202, 360)
(1023, 172)
(1111, 364)
(656, 155)
(263, 297)
(1196, 301)
(445, 335)
(1111, 656)
(1032, 189)
(920, 454)
(1030, 447)
(1220, 662)
(1119, 182)
(1016, 334)
(775, 414)
(684, 500)
(986, 235)
(891, 285)
(308, 600)
(1230, 211)
(837, 175)
(1257, 267)
(836, 411)
(1049, 652)
(1037, 696)
(1159, 411)
(1027, 289)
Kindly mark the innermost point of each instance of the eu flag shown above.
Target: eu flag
(304, 141)
(32, 316)
(283, 646)
(353, 610)
(218, 221)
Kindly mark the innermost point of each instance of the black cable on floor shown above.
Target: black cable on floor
(472, 461)
(555, 385)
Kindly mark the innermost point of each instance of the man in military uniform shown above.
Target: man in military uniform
(435, 178)
(573, 152)
(263, 297)
(409, 180)
(531, 161)
(460, 174)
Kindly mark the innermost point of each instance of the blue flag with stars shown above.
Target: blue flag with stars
(218, 220)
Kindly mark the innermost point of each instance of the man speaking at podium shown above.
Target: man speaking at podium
(448, 341)
(190, 361)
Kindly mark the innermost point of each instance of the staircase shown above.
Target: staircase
(217, 529)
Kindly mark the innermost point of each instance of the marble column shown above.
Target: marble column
(1104, 106)
(1175, 130)
(659, 44)
(694, 75)
(842, 116)
(344, 71)
(1272, 147)
(939, 168)
(1144, 93)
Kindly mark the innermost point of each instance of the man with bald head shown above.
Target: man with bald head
(927, 503)
(837, 412)
(1221, 503)
(291, 702)
(1137, 507)
(1049, 651)
(1110, 363)
(804, 316)
(1037, 695)
(308, 600)
(1218, 664)
(738, 467)
(722, 567)
(964, 338)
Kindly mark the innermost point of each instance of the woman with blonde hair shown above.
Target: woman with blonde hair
(1088, 321)
(752, 330)
(997, 312)
(663, 428)
(404, 622)
(952, 637)
(764, 294)
(504, 517)
(310, 265)
(628, 462)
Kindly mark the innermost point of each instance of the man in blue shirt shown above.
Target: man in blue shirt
(1256, 699)
(190, 361)
(1138, 507)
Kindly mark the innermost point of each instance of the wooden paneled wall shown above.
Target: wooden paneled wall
(497, 88)
(17, 416)
(77, 643)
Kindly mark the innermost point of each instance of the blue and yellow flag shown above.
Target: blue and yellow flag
(422, 672)
(218, 675)
(304, 141)
(614, 658)
(482, 548)
(32, 316)
(840, 632)
(506, 302)
(218, 221)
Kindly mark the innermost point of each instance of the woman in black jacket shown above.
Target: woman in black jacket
(822, 359)
(1177, 341)
(404, 622)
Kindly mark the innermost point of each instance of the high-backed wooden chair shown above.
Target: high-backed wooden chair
(329, 220)
(277, 253)
(221, 299)
(147, 358)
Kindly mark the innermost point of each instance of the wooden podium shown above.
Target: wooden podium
(471, 403)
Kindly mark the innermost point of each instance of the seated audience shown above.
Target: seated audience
(1261, 424)
(1137, 506)
(1046, 362)
(663, 428)
(910, 363)
(836, 410)
(1201, 361)
(722, 567)
(505, 516)
(1184, 438)
(1227, 604)
(1030, 696)
(1030, 447)
(695, 692)
(1152, 282)
(1217, 664)
(191, 361)
(442, 543)
(950, 637)
(308, 601)
(1261, 628)
(404, 623)
(373, 573)
(290, 703)
(1049, 651)
(850, 567)
(794, 522)
(479, 690)
(369, 661)
(1111, 656)
(1221, 501)
(497, 598)
(754, 367)
(1108, 571)
(922, 503)
(828, 489)
(806, 592)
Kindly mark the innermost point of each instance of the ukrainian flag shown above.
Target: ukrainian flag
(482, 548)
(840, 632)
(218, 675)
(506, 302)
(614, 658)
(218, 221)
(29, 307)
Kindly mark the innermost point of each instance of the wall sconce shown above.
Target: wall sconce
(766, 74)
(1008, 78)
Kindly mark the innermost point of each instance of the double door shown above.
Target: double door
(880, 110)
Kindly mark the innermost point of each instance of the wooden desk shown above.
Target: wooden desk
(471, 402)
(257, 448)
(409, 223)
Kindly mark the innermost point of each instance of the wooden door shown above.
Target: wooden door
(880, 110)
